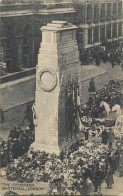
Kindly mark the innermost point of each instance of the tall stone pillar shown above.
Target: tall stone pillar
(105, 30)
(58, 62)
(93, 26)
(85, 35)
(117, 30)
(122, 28)
(99, 32)
(111, 30)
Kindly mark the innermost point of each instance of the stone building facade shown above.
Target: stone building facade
(98, 20)
(20, 23)
(21, 20)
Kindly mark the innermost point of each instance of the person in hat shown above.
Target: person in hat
(110, 137)
(109, 177)
(104, 137)
(86, 133)
(92, 86)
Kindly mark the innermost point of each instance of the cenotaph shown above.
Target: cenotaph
(58, 62)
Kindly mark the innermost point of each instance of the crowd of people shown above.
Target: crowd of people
(111, 94)
(18, 143)
(108, 51)
(95, 122)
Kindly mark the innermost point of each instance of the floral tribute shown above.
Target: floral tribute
(77, 171)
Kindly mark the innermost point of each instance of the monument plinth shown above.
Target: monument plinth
(58, 61)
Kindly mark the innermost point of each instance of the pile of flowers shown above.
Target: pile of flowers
(82, 166)
(85, 166)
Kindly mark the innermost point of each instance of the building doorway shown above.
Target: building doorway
(28, 47)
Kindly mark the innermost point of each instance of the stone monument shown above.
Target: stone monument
(58, 62)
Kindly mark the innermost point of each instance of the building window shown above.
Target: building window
(120, 9)
(120, 29)
(25, 41)
(96, 34)
(96, 11)
(90, 36)
(89, 12)
(102, 33)
(80, 15)
(114, 10)
(108, 31)
(114, 30)
(102, 11)
(108, 10)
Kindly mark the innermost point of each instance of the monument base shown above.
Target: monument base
(47, 148)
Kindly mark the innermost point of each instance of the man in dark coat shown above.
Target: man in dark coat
(1, 115)
(110, 137)
(92, 86)
(109, 178)
(104, 136)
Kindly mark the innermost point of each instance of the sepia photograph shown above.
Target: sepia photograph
(61, 97)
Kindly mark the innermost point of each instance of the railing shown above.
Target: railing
(31, 1)
(18, 1)
(17, 75)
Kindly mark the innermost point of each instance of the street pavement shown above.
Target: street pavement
(117, 189)
(13, 117)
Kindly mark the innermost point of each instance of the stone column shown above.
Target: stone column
(117, 30)
(58, 62)
(85, 13)
(85, 34)
(85, 37)
(105, 30)
(19, 50)
(93, 26)
(105, 10)
(99, 32)
(111, 10)
(111, 29)
(122, 28)
(1, 47)
(99, 9)
(92, 11)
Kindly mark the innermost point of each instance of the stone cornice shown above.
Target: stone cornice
(40, 12)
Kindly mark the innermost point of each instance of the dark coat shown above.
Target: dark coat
(104, 137)
(110, 136)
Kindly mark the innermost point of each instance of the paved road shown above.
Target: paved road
(13, 118)
(117, 187)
